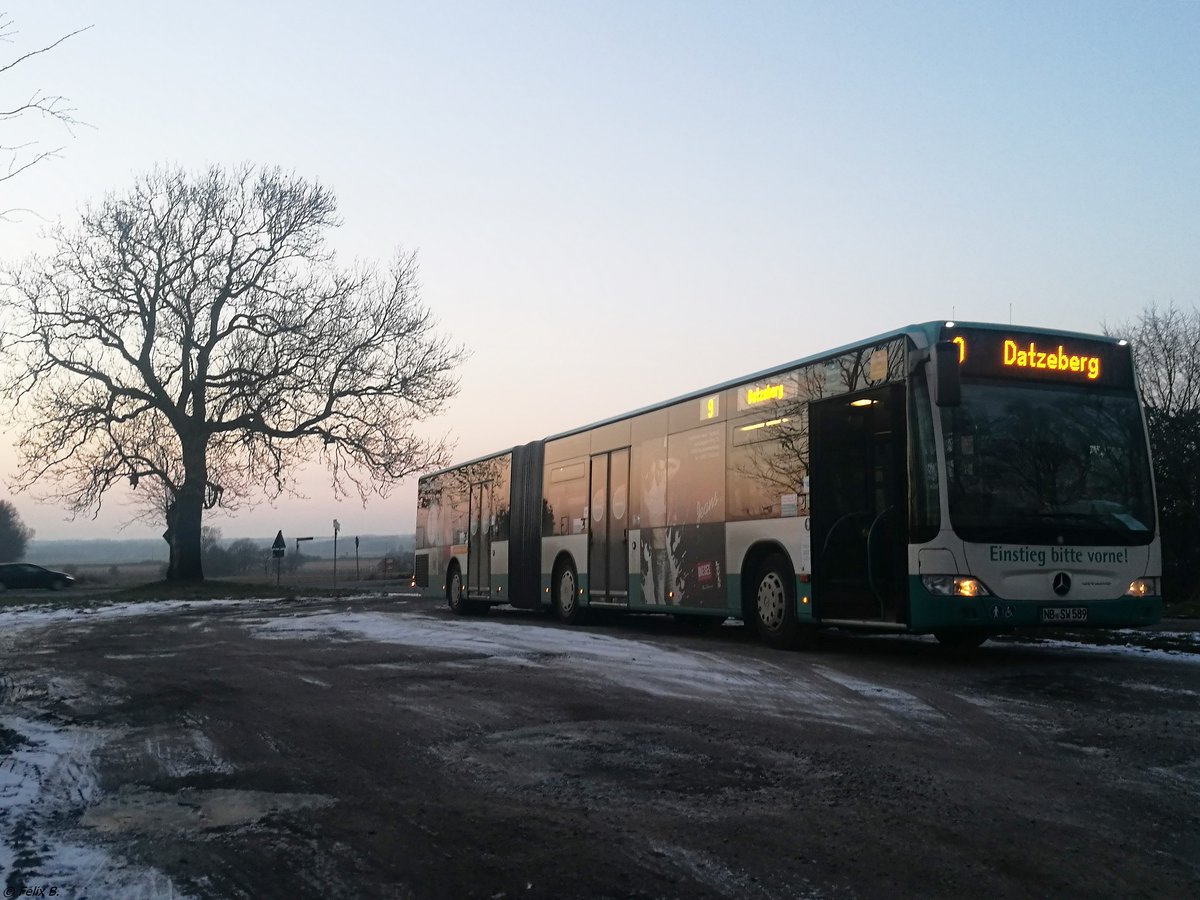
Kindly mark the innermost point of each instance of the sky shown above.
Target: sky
(614, 203)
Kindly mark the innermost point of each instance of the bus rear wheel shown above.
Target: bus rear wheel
(566, 594)
(773, 603)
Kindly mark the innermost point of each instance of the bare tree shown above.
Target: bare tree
(14, 534)
(1166, 347)
(196, 338)
(18, 150)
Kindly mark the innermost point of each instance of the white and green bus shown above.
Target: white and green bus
(954, 479)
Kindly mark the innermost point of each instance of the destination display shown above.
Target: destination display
(1041, 357)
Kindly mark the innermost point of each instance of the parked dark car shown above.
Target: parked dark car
(26, 575)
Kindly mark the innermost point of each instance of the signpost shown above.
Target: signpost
(357, 573)
(277, 550)
(336, 528)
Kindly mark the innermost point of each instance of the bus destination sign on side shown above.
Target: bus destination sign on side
(764, 393)
(1041, 357)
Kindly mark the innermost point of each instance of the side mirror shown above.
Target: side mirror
(947, 385)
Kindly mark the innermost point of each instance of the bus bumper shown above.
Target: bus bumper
(934, 613)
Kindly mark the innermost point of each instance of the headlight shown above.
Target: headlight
(955, 586)
(1143, 587)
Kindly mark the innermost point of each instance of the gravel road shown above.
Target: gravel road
(380, 747)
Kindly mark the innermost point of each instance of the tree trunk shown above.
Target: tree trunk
(186, 517)
(169, 537)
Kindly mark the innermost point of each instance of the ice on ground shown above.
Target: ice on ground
(186, 754)
(719, 878)
(905, 703)
(25, 617)
(628, 662)
(191, 810)
(47, 777)
(1175, 656)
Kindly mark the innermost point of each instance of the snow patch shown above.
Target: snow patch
(25, 617)
(628, 662)
(714, 874)
(183, 755)
(47, 777)
(900, 701)
(190, 811)
(1176, 656)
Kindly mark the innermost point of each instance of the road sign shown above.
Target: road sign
(279, 547)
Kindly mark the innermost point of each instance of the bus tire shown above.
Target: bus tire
(460, 605)
(773, 603)
(566, 594)
(454, 591)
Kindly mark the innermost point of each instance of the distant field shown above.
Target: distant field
(312, 573)
(110, 575)
(320, 572)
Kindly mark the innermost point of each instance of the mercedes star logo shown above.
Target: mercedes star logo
(1062, 583)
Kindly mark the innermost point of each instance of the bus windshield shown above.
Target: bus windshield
(1048, 464)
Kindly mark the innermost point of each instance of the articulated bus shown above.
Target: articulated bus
(953, 479)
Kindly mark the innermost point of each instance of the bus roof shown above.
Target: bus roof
(922, 333)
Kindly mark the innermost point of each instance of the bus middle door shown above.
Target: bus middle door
(608, 530)
(479, 542)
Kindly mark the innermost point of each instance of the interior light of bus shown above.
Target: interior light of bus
(757, 425)
(1142, 587)
(955, 586)
(804, 600)
(862, 401)
(1122, 343)
(949, 324)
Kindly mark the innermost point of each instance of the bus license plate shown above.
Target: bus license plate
(1058, 614)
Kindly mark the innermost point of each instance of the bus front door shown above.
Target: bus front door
(608, 529)
(479, 545)
(858, 478)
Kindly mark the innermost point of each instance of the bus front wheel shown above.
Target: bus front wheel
(460, 605)
(774, 604)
